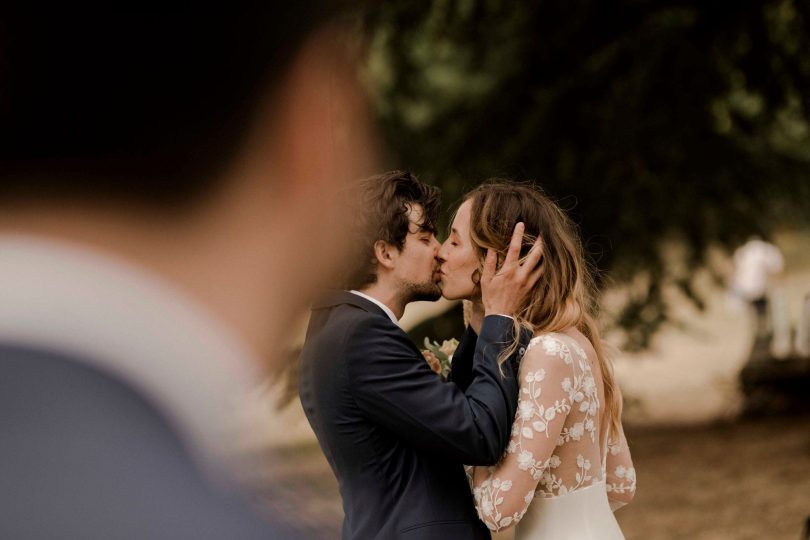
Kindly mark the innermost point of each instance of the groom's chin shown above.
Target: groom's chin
(429, 296)
(426, 293)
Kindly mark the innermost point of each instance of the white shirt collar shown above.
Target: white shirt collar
(118, 317)
(385, 308)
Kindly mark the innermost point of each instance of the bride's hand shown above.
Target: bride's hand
(503, 290)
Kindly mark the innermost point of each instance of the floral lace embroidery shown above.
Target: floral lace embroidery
(554, 437)
(622, 479)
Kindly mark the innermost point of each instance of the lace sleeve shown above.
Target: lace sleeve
(503, 493)
(621, 476)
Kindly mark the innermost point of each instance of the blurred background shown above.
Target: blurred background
(675, 132)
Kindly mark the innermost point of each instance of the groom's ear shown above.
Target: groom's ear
(384, 252)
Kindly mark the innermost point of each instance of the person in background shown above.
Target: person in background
(169, 197)
(756, 264)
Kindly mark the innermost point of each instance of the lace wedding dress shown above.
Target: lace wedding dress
(561, 477)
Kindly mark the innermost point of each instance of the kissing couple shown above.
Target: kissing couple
(530, 405)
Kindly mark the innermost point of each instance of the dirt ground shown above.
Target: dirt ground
(744, 480)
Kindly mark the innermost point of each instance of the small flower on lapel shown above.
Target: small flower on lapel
(443, 354)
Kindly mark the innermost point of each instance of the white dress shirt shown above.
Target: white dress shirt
(385, 308)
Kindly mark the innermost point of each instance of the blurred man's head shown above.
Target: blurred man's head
(208, 147)
(394, 236)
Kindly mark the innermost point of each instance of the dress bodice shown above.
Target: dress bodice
(559, 455)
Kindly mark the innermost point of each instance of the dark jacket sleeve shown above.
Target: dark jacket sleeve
(394, 386)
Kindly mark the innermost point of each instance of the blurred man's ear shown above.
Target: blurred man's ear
(324, 121)
(324, 146)
(315, 132)
(309, 148)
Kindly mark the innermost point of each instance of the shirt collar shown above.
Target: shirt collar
(385, 308)
(120, 318)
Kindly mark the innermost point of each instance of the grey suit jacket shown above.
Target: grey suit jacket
(84, 456)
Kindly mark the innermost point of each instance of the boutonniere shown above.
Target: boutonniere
(440, 357)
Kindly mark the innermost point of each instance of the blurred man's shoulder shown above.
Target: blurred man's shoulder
(99, 445)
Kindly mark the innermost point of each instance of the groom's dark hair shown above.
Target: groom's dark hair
(382, 213)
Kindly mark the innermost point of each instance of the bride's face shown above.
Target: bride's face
(458, 258)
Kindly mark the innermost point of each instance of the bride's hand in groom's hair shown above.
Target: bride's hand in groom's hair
(503, 289)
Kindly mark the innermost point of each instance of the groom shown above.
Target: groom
(394, 433)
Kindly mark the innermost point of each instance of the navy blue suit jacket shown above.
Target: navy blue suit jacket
(394, 433)
(83, 455)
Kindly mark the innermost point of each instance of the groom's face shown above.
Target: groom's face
(416, 267)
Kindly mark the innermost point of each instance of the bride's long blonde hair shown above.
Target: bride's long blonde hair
(564, 296)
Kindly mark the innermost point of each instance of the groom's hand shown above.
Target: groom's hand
(503, 289)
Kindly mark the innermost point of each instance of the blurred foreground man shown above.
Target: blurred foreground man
(165, 192)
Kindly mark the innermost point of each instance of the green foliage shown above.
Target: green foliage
(649, 121)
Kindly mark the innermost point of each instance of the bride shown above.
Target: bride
(567, 466)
